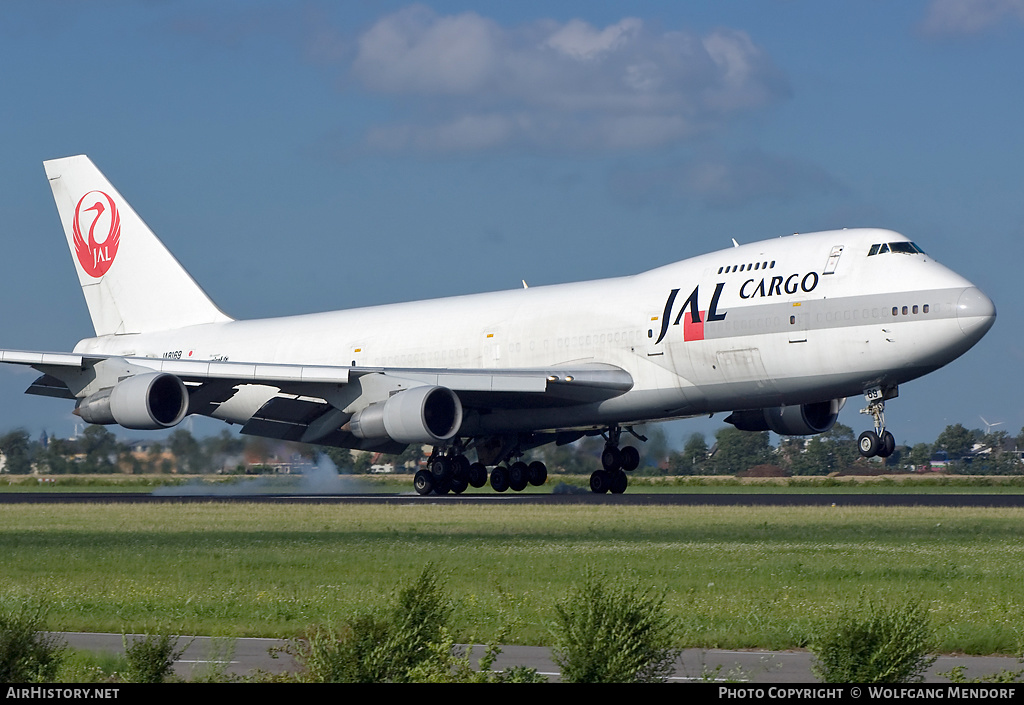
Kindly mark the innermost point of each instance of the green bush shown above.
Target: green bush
(27, 653)
(83, 666)
(352, 654)
(380, 647)
(150, 657)
(1004, 675)
(607, 632)
(451, 664)
(874, 645)
(408, 642)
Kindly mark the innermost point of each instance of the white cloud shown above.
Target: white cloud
(971, 17)
(415, 51)
(582, 41)
(472, 84)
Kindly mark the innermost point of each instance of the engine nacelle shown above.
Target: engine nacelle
(418, 415)
(145, 402)
(799, 420)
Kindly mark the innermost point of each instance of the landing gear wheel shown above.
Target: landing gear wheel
(442, 487)
(459, 485)
(619, 482)
(600, 482)
(423, 482)
(499, 478)
(538, 473)
(630, 458)
(478, 474)
(518, 476)
(611, 458)
(878, 442)
(887, 445)
(460, 466)
(441, 468)
(868, 443)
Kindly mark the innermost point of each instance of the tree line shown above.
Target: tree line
(97, 450)
(957, 450)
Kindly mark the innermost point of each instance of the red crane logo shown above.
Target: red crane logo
(97, 251)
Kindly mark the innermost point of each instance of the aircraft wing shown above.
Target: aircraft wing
(575, 384)
(306, 392)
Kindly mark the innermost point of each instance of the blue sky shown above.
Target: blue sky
(310, 156)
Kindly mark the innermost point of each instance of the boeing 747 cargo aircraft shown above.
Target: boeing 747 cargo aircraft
(777, 333)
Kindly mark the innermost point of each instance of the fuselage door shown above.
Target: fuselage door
(654, 347)
(833, 260)
(491, 349)
(797, 324)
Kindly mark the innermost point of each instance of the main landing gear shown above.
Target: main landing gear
(615, 463)
(878, 442)
(516, 476)
(448, 470)
(452, 472)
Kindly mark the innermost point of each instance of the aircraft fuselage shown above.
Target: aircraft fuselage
(794, 320)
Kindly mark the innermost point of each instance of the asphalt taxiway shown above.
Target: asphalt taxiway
(246, 656)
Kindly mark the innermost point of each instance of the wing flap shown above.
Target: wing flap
(285, 418)
(50, 386)
(289, 418)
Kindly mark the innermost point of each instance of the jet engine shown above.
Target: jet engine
(799, 420)
(145, 402)
(419, 415)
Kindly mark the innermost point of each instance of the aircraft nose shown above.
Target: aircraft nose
(975, 312)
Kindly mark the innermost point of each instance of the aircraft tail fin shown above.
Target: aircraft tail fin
(131, 282)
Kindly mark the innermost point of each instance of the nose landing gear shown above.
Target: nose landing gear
(878, 442)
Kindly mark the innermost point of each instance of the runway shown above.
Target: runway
(587, 498)
(244, 656)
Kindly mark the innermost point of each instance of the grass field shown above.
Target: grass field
(736, 577)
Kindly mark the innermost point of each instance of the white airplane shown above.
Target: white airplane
(779, 333)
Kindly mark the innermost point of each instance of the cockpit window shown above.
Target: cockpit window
(903, 248)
